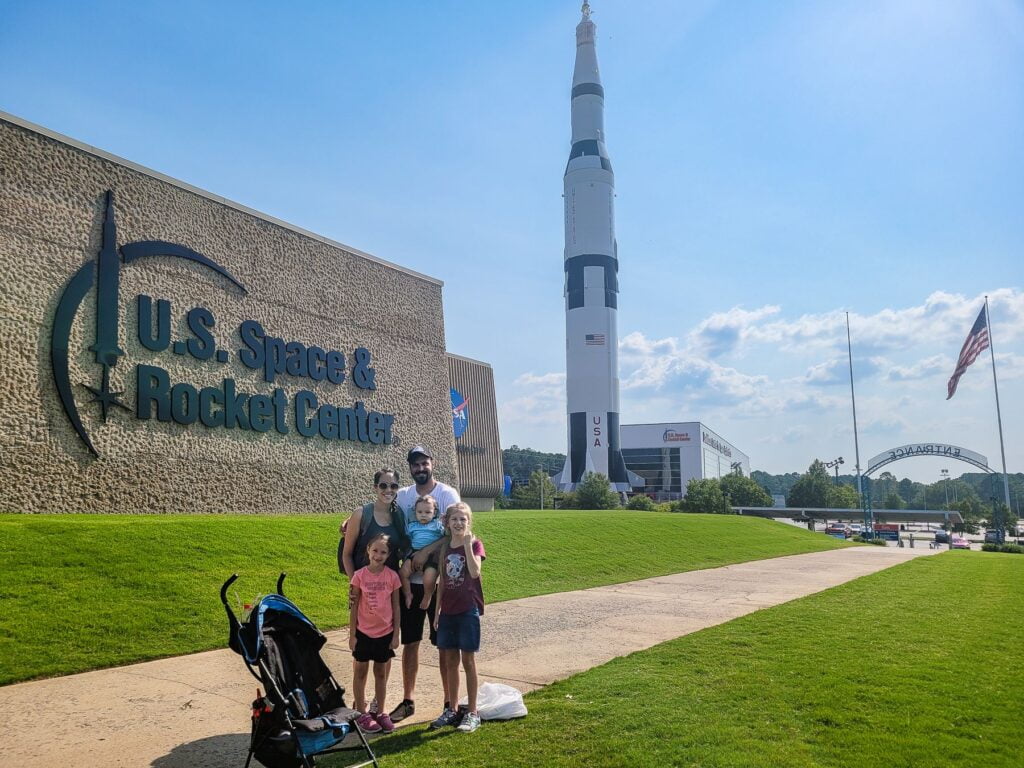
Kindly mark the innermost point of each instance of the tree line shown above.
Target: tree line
(976, 495)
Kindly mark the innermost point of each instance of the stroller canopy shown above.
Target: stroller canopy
(269, 612)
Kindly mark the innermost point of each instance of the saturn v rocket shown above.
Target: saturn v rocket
(591, 283)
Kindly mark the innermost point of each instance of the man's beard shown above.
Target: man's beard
(421, 478)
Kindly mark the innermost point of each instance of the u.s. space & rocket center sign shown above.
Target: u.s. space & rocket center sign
(227, 405)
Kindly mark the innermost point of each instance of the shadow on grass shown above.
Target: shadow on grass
(395, 743)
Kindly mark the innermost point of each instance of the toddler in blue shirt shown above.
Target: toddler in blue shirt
(423, 530)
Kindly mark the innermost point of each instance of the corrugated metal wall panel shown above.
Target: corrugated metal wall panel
(479, 449)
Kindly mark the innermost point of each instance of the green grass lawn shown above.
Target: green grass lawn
(88, 591)
(918, 665)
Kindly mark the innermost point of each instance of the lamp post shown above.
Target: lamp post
(945, 484)
(835, 463)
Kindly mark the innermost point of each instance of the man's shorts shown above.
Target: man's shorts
(431, 558)
(412, 618)
(373, 648)
(459, 631)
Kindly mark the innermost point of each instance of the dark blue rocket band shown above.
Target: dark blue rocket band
(588, 89)
(574, 293)
(588, 148)
(616, 464)
(578, 443)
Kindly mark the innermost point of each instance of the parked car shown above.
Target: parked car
(959, 542)
(840, 530)
(992, 537)
(856, 529)
(942, 537)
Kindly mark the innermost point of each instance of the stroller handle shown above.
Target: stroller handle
(224, 589)
(280, 584)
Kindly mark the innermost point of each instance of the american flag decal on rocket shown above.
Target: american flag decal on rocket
(594, 340)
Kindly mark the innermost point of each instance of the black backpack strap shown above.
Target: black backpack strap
(364, 522)
(365, 518)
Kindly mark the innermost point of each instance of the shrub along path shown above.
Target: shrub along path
(193, 710)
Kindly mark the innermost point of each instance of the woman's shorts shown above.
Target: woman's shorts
(373, 648)
(459, 631)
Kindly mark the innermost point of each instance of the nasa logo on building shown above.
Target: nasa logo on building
(460, 414)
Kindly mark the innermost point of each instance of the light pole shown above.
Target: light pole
(543, 475)
(945, 484)
(835, 463)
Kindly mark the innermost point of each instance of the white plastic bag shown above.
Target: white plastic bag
(496, 701)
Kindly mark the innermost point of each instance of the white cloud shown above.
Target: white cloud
(780, 387)
(724, 331)
(943, 318)
(922, 369)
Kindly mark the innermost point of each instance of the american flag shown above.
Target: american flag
(976, 343)
(594, 340)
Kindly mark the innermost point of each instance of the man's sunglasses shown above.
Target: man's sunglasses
(385, 486)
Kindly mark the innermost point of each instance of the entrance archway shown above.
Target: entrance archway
(937, 450)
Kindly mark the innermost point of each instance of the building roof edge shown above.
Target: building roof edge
(104, 155)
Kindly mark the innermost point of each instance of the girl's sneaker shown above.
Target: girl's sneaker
(470, 722)
(385, 723)
(367, 724)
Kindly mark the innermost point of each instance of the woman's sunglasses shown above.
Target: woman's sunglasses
(386, 486)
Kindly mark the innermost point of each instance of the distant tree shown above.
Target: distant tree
(998, 515)
(972, 511)
(811, 490)
(642, 502)
(775, 483)
(894, 501)
(743, 491)
(594, 492)
(566, 500)
(907, 491)
(504, 502)
(704, 496)
(841, 497)
(519, 463)
(529, 496)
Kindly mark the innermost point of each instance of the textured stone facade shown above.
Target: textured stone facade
(298, 286)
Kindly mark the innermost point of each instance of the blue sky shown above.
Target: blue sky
(777, 165)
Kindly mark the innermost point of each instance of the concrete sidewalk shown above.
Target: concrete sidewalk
(193, 711)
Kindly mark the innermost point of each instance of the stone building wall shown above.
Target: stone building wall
(299, 287)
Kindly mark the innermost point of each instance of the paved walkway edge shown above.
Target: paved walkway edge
(193, 711)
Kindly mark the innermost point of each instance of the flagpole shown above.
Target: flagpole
(856, 442)
(999, 416)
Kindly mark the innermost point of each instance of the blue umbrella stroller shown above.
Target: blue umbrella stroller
(303, 712)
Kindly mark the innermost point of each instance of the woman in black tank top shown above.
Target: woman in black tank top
(382, 515)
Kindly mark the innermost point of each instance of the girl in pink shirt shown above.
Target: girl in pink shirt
(373, 631)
